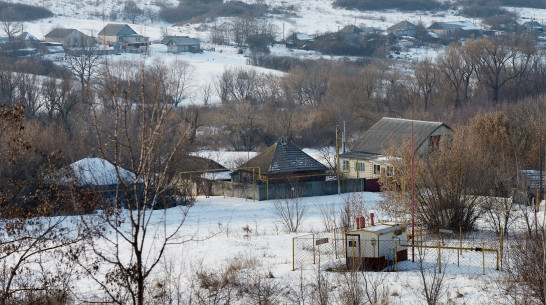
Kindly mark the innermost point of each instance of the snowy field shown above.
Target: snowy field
(308, 16)
(228, 230)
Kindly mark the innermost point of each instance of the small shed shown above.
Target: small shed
(376, 247)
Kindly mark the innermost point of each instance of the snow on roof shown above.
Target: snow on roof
(302, 36)
(223, 175)
(463, 25)
(55, 49)
(96, 171)
(433, 35)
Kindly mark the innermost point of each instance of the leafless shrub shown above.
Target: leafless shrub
(330, 215)
(351, 289)
(525, 267)
(290, 213)
(432, 280)
(261, 289)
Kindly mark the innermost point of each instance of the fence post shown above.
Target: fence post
(483, 257)
(461, 239)
(314, 261)
(293, 255)
(421, 233)
(439, 259)
(501, 230)
(342, 241)
(497, 251)
(395, 257)
(335, 242)
(354, 242)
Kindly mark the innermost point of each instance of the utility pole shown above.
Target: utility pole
(541, 187)
(412, 200)
(337, 164)
(343, 139)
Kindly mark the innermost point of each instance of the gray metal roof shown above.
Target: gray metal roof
(112, 29)
(356, 155)
(402, 25)
(59, 33)
(284, 158)
(182, 41)
(392, 131)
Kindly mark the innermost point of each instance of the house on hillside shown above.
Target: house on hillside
(299, 40)
(69, 38)
(533, 27)
(455, 29)
(281, 162)
(403, 28)
(178, 44)
(123, 38)
(28, 40)
(109, 183)
(368, 159)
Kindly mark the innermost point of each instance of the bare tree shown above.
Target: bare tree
(83, 61)
(493, 60)
(290, 213)
(432, 279)
(146, 134)
(10, 22)
(457, 69)
(30, 205)
(426, 75)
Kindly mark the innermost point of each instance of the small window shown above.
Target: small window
(376, 169)
(352, 243)
(345, 165)
(390, 171)
(360, 166)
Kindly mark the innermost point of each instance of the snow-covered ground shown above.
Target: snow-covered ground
(229, 229)
(306, 16)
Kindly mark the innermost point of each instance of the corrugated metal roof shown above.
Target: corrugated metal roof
(284, 158)
(112, 29)
(59, 33)
(388, 131)
(402, 25)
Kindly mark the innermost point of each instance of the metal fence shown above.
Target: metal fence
(317, 249)
(350, 251)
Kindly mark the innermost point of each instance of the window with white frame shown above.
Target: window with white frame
(376, 169)
(360, 166)
(345, 165)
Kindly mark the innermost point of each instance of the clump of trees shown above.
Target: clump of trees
(22, 12)
(195, 11)
(452, 181)
(405, 5)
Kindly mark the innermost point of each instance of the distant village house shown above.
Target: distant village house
(123, 38)
(69, 38)
(178, 44)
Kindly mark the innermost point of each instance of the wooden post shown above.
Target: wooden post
(335, 242)
(461, 239)
(497, 259)
(421, 233)
(267, 188)
(314, 257)
(343, 241)
(293, 256)
(395, 257)
(439, 259)
(354, 241)
(501, 230)
(483, 257)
